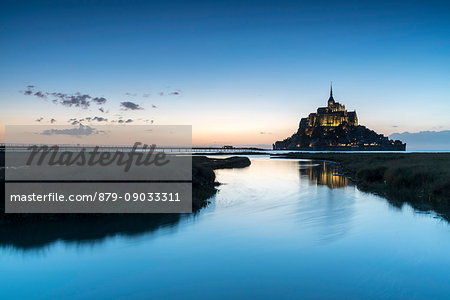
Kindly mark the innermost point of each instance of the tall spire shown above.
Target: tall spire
(331, 100)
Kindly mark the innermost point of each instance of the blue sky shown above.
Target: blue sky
(240, 72)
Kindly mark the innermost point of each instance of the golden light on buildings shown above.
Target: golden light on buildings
(336, 129)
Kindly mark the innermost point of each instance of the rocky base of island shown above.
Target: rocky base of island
(343, 137)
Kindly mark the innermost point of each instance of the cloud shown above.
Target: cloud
(40, 119)
(52, 121)
(78, 131)
(263, 132)
(124, 121)
(28, 91)
(174, 92)
(99, 100)
(76, 100)
(100, 119)
(154, 106)
(69, 100)
(74, 121)
(395, 126)
(40, 94)
(127, 105)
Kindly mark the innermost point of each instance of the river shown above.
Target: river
(285, 229)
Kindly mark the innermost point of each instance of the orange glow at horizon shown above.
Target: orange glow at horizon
(224, 136)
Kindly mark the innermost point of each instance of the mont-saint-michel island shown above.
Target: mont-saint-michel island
(333, 128)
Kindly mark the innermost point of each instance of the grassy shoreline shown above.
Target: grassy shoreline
(420, 179)
(32, 231)
(203, 179)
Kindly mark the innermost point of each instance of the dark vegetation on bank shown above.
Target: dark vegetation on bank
(204, 179)
(31, 231)
(420, 179)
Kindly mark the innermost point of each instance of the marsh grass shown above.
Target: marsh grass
(421, 179)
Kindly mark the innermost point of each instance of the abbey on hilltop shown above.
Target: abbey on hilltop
(333, 128)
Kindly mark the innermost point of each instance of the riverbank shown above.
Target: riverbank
(203, 183)
(15, 229)
(204, 179)
(420, 179)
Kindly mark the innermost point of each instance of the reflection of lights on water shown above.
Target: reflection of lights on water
(325, 174)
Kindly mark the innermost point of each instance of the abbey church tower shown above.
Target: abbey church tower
(333, 115)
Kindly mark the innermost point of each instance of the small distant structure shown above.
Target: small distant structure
(228, 147)
(333, 128)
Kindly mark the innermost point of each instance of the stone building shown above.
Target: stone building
(333, 128)
(333, 115)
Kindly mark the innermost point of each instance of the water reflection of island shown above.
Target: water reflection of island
(329, 213)
(323, 173)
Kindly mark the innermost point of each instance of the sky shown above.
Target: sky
(239, 72)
